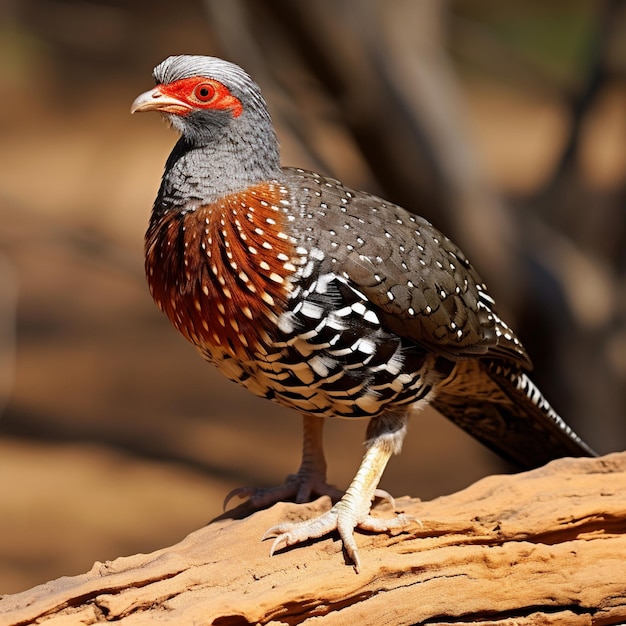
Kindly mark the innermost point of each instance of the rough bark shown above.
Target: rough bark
(542, 547)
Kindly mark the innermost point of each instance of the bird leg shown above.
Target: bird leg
(307, 482)
(384, 438)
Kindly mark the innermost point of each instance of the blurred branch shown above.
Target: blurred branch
(604, 31)
(475, 44)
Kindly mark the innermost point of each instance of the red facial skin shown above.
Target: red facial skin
(200, 93)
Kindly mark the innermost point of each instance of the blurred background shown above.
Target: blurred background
(502, 123)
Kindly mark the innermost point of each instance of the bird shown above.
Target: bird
(327, 300)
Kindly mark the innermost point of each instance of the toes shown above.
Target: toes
(297, 532)
(341, 520)
(345, 527)
(263, 498)
(290, 533)
(377, 525)
(337, 519)
(310, 488)
(296, 488)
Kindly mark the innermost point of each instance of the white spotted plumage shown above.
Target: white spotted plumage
(326, 299)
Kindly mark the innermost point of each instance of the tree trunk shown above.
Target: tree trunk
(543, 547)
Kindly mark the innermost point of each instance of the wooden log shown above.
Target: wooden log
(543, 547)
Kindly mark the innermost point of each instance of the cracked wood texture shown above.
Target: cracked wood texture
(543, 547)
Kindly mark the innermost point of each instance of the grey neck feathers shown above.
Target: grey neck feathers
(226, 159)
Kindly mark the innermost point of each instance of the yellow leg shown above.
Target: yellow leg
(385, 435)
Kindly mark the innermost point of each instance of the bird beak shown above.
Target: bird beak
(156, 100)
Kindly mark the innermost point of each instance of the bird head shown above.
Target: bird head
(202, 96)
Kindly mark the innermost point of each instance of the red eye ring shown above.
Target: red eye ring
(204, 92)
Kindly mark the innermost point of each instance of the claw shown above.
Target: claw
(239, 492)
(353, 510)
(385, 495)
(275, 544)
(297, 488)
(340, 519)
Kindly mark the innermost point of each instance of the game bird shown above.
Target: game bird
(328, 300)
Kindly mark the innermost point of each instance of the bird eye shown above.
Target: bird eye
(204, 92)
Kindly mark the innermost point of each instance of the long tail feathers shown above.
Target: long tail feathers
(515, 421)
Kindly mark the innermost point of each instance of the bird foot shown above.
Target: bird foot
(296, 488)
(344, 519)
(299, 488)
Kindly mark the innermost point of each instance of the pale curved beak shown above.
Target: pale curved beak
(156, 100)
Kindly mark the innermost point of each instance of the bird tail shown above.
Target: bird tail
(501, 407)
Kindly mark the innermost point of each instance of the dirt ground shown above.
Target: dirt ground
(116, 437)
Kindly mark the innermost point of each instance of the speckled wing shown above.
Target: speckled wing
(421, 285)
